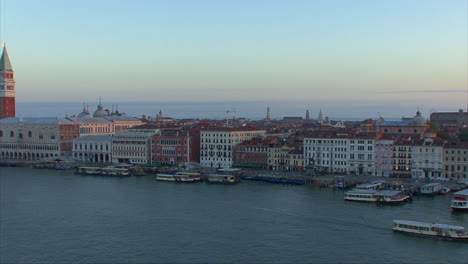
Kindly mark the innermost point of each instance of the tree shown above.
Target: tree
(463, 135)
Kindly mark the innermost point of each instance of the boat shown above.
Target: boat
(176, 178)
(446, 190)
(376, 196)
(374, 185)
(221, 178)
(138, 171)
(430, 229)
(430, 188)
(275, 179)
(88, 171)
(113, 171)
(460, 200)
(192, 175)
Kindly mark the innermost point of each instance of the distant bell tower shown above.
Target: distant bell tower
(307, 115)
(7, 87)
(268, 116)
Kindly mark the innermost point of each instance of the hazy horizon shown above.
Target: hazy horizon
(217, 110)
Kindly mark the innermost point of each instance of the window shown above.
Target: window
(12, 134)
(29, 134)
(1, 133)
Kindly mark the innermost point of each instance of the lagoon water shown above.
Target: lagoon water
(49, 216)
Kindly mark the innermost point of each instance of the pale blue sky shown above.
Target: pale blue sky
(308, 54)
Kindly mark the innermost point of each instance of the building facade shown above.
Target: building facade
(217, 145)
(132, 147)
(383, 157)
(175, 147)
(36, 138)
(427, 158)
(97, 149)
(327, 151)
(455, 162)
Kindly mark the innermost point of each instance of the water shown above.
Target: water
(56, 217)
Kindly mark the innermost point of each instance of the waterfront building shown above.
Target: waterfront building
(327, 151)
(93, 149)
(7, 86)
(362, 153)
(426, 159)
(132, 147)
(455, 161)
(401, 158)
(217, 144)
(252, 153)
(35, 138)
(175, 147)
(383, 157)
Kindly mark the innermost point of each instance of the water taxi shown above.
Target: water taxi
(192, 175)
(376, 196)
(88, 171)
(221, 178)
(113, 171)
(430, 188)
(460, 200)
(176, 178)
(428, 229)
(374, 185)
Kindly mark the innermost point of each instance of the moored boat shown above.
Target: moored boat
(221, 178)
(113, 171)
(430, 229)
(88, 171)
(460, 200)
(176, 178)
(376, 196)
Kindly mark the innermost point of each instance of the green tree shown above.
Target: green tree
(463, 135)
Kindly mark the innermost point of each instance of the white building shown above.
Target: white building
(132, 147)
(36, 138)
(93, 149)
(327, 151)
(426, 158)
(362, 153)
(217, 144)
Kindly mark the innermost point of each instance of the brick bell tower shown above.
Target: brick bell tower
(7, 87)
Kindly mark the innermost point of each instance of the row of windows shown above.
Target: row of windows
(90, 147)
(21, 135)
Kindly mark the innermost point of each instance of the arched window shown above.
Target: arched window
(20, 135)
(1, 133)
(29, 134)
(12, 134)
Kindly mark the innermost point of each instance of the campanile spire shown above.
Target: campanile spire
(7, 86)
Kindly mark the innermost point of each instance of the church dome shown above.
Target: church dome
(418, 119)
(100, 112)
(85, 113)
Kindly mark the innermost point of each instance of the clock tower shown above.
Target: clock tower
(7, 87)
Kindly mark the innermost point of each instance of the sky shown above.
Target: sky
(358, 58)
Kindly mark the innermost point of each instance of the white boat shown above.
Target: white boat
(376, 196)
(113, 171)
(88, 171)
(375, 185)
(221, 178)
(428, 229)
(193, 175)
(460, 200)
(430, 188)
(176, 178)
